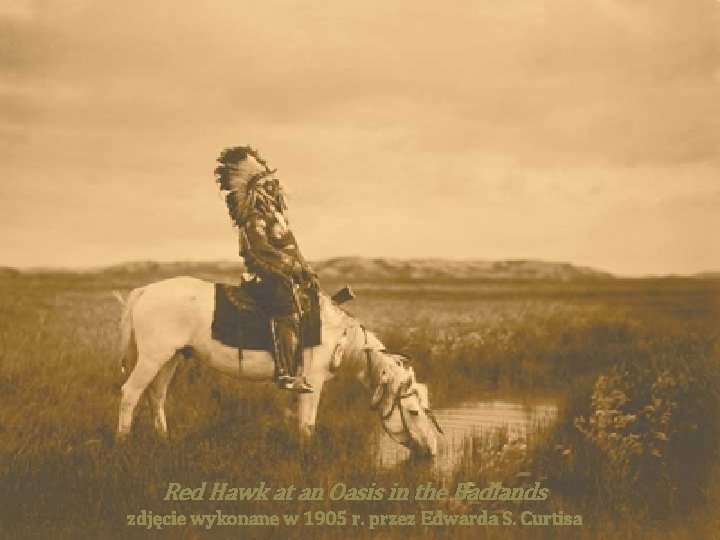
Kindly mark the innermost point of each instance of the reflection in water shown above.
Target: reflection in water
(502, 424)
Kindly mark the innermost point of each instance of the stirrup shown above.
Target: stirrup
(285, 381)
(302, 386)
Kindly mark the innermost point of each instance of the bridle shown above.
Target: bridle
(396, 404)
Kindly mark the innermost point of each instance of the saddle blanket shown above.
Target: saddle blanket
(239, 322)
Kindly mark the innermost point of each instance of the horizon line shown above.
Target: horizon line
(102, 267)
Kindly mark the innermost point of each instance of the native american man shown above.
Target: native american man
(256, 204)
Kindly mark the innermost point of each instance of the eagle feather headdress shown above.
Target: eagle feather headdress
(238, 175)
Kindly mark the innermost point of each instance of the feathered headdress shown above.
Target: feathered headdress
(238, 174)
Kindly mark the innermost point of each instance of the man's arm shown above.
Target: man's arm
(307, 269)
(264, 254)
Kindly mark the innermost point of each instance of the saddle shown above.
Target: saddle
(239, 321)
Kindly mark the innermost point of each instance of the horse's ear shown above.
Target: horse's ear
(408, 382)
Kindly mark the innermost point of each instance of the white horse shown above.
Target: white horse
(169, 319)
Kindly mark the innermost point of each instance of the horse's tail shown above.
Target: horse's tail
(128, 347)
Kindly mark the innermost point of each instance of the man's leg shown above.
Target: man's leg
(287, 336)
(282, 374)
(286, 343)
(281, 306)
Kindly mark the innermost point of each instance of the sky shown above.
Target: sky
(584, 132)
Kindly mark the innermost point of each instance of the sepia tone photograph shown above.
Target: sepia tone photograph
(401, 269)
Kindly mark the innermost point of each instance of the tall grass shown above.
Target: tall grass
(63, 476)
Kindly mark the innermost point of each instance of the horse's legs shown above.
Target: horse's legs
(157, 391)
(144, 372)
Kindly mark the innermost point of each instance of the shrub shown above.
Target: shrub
(649, 420)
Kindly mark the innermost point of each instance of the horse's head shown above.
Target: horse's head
(401, 401)
(404, 406)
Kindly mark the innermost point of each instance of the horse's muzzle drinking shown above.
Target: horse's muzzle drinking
(407, 417)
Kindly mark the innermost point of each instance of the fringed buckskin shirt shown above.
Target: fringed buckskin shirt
(267, 245)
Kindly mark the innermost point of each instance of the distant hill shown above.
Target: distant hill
(367, 269)
(174, 268)
(6, 272)
(364, 269)
(357, 269)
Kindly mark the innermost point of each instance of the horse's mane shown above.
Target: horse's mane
(358, 338)
(334, 314)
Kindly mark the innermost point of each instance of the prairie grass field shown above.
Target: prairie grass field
(634, 364)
